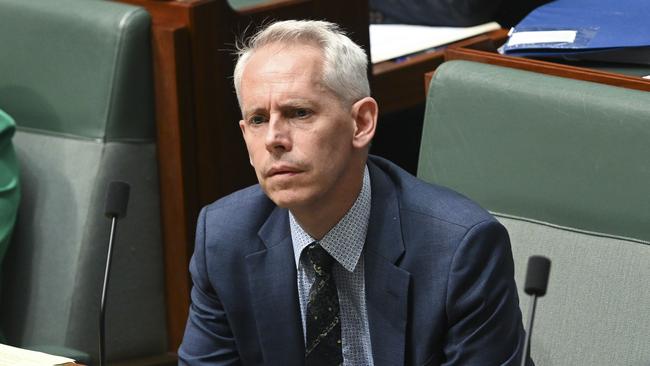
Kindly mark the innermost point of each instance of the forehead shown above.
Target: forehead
(306, 51)
(282, 65)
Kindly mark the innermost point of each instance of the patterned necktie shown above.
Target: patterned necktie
(323, 323)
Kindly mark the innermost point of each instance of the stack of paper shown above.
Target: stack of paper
(597, 30)
(12, 356)
(389, 41)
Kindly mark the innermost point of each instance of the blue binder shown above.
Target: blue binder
(600, 30)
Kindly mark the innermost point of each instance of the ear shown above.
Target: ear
(364, 112)
(242, 127)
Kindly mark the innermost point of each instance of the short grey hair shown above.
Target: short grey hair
(345, 63)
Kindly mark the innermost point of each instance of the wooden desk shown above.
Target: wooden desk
(398, 85)
(483, 49)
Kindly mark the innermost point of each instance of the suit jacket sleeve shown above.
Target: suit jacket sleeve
(208, 338)
(482, 304)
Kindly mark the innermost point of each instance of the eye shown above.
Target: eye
(301, 113)
(257, 119)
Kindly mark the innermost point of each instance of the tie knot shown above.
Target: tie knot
(320, 259)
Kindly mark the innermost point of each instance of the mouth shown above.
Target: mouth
(282, 171)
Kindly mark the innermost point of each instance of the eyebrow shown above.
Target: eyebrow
(289, 103)
(253, 111)
(298, 103)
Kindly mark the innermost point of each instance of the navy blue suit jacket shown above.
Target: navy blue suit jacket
(438, 270)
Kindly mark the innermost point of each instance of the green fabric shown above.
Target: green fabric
(595, 311)
(568, 152)
(62, 233)
(9, 187)
(75, 68)
(565, 166)
(240, 4)
(76, 75)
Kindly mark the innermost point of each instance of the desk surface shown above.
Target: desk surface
(483, 49)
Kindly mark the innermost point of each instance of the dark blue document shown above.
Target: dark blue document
(600, 30)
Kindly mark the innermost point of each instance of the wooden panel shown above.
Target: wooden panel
(397, 85)
(185, 73)
(177, 167)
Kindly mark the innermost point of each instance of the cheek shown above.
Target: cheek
(253, 146)
(334, 144)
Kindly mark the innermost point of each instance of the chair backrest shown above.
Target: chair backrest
(565, 166)
(76, 77)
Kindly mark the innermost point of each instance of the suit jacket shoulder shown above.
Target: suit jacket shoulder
(436, 202)
(244, 209)
(448, 266)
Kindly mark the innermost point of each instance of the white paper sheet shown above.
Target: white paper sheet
(558, 36)
(389, 41)
(12, 356)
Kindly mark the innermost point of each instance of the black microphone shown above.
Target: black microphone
(536, 283)
(117, 198)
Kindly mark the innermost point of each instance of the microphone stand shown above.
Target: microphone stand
(536, 283)
(117, 198)
(102, 307)
(531, 318)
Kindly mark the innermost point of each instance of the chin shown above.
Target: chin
(285, 202)
(288, 199)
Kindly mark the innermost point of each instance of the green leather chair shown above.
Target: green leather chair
(76, 77)
(565, 166)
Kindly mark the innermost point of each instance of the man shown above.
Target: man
(337, 258)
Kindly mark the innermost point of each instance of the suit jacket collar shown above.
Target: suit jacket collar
(385, 229)
(274, 293)
(386, 284)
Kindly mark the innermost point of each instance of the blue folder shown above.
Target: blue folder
(604, 30)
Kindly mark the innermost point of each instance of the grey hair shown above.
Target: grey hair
(344, 62)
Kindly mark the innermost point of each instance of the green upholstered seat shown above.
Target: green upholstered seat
(76, 76)
(565, 166)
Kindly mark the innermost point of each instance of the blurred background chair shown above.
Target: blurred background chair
(565, 166)
(76, 76)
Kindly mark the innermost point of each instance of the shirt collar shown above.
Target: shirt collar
(344, 242)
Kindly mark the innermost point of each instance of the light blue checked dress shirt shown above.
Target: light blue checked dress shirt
(345, 244)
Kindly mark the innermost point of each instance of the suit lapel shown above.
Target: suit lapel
(386, 284)
(274, 291)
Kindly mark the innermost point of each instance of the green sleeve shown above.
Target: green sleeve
(9, 187)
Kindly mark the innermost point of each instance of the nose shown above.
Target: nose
(278, 136)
